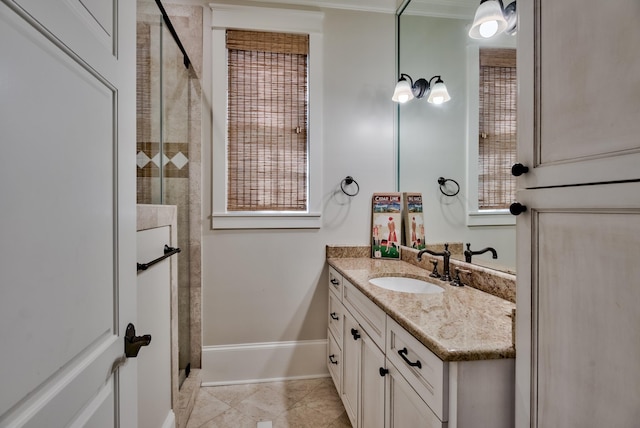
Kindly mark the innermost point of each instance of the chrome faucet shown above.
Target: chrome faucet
(446, 255)
(468, 253)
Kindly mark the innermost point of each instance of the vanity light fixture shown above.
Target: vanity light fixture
(492, 18)
(407, 90)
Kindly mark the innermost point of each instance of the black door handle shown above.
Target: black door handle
(517, 208)
(332, 358)
(355, 334)
(133, 343)
(383, 371)
(518, 169)
(334, 316)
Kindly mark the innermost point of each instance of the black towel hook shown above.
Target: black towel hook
(442, 181)
(349, 180)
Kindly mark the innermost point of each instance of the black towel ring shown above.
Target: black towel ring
(348, 180)
(442, 181)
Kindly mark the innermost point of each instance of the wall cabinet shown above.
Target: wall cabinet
(387, 378)
(578, 245)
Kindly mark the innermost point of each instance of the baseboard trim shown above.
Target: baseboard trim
(263, 362)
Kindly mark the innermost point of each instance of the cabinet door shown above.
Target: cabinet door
(404, 407)
(334, 361)
(372, 384)
(578, 317)
(351, 350)
(579, 92)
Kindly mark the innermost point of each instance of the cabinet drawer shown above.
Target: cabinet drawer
(336, 317)
(335, 282)
(334, 361)
(368, 314)
(424, 371)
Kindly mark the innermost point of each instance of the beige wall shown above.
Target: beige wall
(270, 285)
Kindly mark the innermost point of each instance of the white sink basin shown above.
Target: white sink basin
(406, 285)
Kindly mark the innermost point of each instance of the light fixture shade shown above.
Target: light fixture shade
(511, 16)
(438, 93)
(403, 91)
(489, 20)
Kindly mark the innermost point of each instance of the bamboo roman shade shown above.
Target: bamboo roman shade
(267, 121)
(497, 128)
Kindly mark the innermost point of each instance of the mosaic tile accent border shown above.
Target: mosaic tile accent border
(175, 160)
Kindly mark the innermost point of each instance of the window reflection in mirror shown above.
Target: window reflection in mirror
(442, 140)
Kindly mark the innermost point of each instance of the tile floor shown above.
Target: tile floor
(311, 403)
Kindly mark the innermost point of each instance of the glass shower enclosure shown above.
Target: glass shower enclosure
(163, 100)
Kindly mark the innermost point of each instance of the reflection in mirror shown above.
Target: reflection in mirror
(442, 140)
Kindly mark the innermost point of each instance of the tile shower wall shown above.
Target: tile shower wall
(181, 135)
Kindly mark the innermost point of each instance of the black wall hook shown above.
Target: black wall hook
(347, 181)
(442, 181)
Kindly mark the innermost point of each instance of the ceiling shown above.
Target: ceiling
(464, 9)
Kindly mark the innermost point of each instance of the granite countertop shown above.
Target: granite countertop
(460, 324)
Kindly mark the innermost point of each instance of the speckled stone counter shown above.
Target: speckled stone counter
(460, 324)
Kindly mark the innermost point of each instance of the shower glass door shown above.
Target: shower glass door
(163, 101)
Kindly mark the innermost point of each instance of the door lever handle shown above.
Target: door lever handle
(133, 343)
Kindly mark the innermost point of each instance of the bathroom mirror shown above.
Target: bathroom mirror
(441, 140)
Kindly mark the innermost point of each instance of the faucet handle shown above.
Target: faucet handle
(434, 273)
(457, 282)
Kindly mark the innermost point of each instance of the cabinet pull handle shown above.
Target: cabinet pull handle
(383, 371)
(518, 169)
(517, 208)
(334, 316)
(332, 358)
(355, 334)
(403, 353)
(335, 281)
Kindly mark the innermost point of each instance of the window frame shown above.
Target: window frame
(256, 18)
(475, 215)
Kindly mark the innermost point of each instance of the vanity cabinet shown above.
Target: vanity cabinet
(387, 378)
(360, 383)
(374, 393)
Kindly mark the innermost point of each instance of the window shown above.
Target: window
(492, 133)
(497, 128)
(267, 121)
(267, 151)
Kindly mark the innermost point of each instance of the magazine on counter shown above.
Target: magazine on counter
(414, 235)
(386, 220)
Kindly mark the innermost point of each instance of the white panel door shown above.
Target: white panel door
(67, 228)
(579, 91)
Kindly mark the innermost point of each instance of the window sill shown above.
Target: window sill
(221, 221)
(490, 218)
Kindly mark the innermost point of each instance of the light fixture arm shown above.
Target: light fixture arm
(421, 86)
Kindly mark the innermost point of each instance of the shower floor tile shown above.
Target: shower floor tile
(311, 403)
